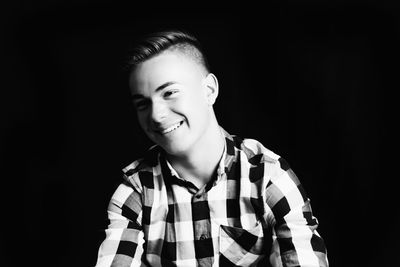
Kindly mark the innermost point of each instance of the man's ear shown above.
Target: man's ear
(212, 89)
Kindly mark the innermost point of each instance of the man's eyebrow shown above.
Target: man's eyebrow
(165, 85)
(159, 88)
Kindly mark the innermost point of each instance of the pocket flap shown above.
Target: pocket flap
(240, 246)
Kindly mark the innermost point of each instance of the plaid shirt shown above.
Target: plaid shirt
(255, 207)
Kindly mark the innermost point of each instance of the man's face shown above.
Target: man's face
(172, 102)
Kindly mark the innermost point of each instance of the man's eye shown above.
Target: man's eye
(170, 93)
(141, 105)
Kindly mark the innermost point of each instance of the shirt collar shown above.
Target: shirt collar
(225, 164)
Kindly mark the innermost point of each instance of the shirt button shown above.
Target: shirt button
(202, 237)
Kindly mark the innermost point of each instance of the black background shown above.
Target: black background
(314, 81)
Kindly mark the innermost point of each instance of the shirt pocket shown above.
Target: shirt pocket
(241, 247)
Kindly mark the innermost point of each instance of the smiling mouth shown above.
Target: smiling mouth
(171, 128)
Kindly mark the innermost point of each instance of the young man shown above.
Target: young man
(200, 196)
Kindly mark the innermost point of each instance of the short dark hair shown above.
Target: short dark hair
(158, 42)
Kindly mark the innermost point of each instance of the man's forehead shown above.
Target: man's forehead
(166, 67)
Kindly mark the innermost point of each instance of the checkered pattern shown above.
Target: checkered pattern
(253, 213)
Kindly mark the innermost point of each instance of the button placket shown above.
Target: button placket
(201, 227)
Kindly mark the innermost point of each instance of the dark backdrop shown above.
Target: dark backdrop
(313, 81)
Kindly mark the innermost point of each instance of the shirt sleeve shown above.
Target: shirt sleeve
(296, 241)
(123, 245)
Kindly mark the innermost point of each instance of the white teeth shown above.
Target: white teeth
(170, 129)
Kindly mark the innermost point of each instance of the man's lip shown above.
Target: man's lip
(163, 128)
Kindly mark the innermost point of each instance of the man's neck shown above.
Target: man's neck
(200, 163)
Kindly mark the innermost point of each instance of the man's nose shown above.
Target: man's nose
(159, 112)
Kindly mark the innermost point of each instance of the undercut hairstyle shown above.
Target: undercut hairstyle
(172, 40)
